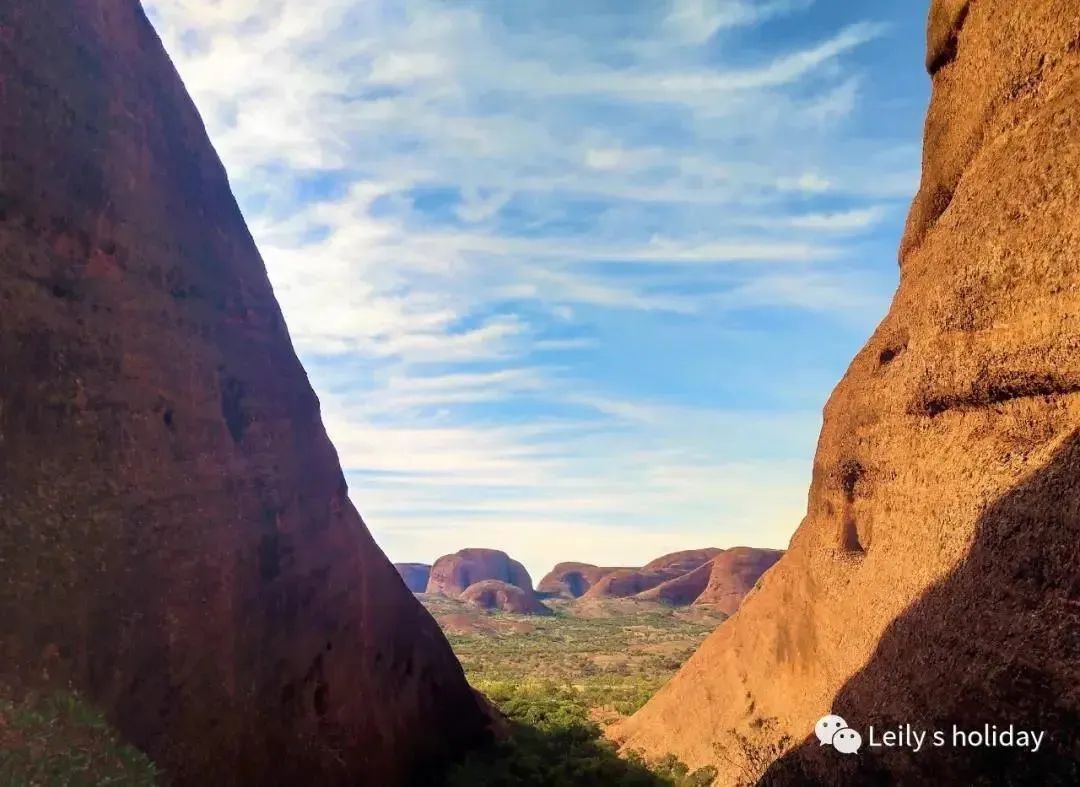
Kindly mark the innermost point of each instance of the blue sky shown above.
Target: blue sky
(571, 279)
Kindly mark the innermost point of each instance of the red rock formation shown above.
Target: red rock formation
(632, 581)
(626, 582)
(572, 579)
(733, 574)
(681, 562)
(491, 594)
(414, 575)
(175, 534)
(933, 581)
(722, 582)
(452, 574)
(681, 590)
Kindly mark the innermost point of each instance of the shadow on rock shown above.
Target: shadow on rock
(997, 642)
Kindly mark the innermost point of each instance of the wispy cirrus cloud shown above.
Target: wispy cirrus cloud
(515, 243)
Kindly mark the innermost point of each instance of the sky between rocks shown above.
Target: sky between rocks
(571, 279)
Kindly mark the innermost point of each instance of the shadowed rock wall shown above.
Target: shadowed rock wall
(175, 533)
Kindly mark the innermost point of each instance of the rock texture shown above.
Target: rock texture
(491, 594)
(733, 574)
(414, 575)
(934, 579)
(452, 574)
(572, 579)
(176, 540)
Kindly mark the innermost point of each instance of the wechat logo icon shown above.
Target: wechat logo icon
(833, 729)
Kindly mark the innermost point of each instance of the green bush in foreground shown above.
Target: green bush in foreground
(554, 744)
(60, 741)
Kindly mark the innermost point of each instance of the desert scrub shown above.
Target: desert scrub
(614, 661)
(60, 740)
(559, 678)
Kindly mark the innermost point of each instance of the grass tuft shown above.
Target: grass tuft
(61, 740)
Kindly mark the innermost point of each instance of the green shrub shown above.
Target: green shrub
(553, 676)
(59, 740)
(553, 743)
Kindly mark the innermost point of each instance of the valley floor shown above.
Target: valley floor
(561, 679)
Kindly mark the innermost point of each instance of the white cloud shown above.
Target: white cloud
(441, 197)
(809, 182)
(616, 158)
(841, 221)
(555, 490)
(696, 21)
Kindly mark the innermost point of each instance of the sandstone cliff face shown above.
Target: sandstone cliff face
(491, 594)
(733, 574)
(414, 575)
(175, 535)
(572, 579)
(452, 574)
(934, 578)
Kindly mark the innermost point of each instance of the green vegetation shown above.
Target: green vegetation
(553, 743)
(561, 679)
(613, 655)
(59, 740)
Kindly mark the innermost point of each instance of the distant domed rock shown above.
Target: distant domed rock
(452, 574)
(493, 594)
(682, 590)
(681, 562)
(415, 575)
(625, 582)
(733, 573)
(572, 579)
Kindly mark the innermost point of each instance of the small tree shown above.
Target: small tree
(750, 759)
